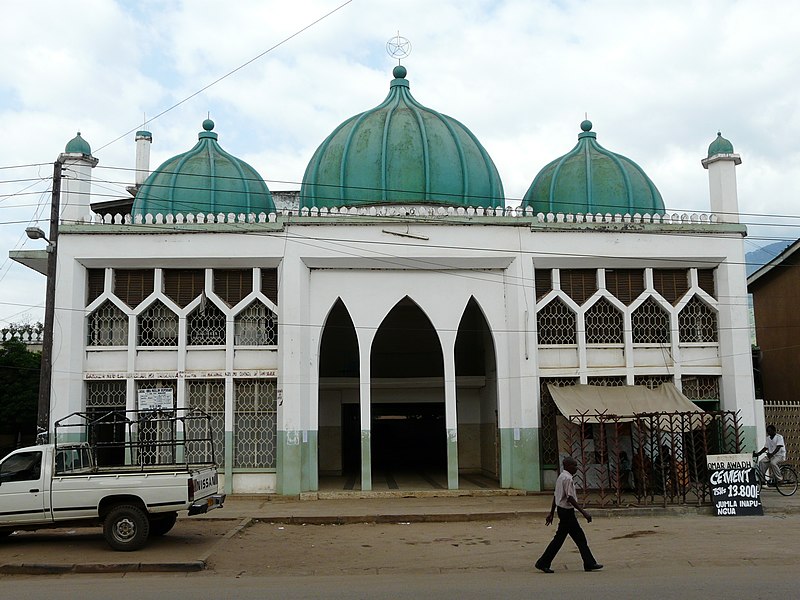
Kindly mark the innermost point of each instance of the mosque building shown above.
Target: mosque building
(395, 318)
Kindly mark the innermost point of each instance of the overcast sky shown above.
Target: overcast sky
(657, 79)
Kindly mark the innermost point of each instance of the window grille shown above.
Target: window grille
(158, 326)
(549, 433)
(108, 326)
(207, 395)
(625, 284)
(672, 284)
(108, 437)
(269, 284)
(256, 325)
(183, 285)
(603, 323)
(95, 282)
(133, 285)
(705, 279)
(697, 322)
(206, 326)
(556, 324)
(650, 323)
(232, 285)
(579, 284)
(610, 381)
(651, 381)
(543, 280)
(701, 387)
(255, 416)
(108, 395)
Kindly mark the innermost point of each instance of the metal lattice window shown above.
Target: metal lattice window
(108, 326)
(603, 323)
(650, 323)
(207, 395)
(158, 326)
(105, 395)
(610, 381)
(556, 324)
(206, 326)
(549, 432)
(697, 322)
(254, 423)
(700, 387)
(256, 325)
(651, 381)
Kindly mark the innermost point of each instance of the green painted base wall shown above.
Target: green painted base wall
(296, 462)
(519, 459)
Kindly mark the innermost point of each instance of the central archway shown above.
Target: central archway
(408, 434)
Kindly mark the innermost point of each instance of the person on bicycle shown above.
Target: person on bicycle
(775, 454)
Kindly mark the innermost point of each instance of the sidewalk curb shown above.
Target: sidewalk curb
(61, 569)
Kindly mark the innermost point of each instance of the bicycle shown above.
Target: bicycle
(787, 486)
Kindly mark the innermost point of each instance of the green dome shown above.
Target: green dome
(720, 146)
(206, 179)
(78, 145)
(401, 152)
(591, 179)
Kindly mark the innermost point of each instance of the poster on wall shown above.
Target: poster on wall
(734, 488)
(155, 399)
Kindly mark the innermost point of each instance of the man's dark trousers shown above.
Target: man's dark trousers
(567, 526)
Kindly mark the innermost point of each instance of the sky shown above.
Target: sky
(657, 79)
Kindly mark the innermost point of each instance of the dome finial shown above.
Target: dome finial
(586, 125)
(208, 124)
(398, 47)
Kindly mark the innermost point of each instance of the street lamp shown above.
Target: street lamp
(35, 233)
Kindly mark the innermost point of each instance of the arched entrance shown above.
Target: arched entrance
(408, 435)
(476, 401)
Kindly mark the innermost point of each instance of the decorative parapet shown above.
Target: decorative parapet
(423, 211)
(28, 334)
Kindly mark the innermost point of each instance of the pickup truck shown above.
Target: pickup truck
(49, 486)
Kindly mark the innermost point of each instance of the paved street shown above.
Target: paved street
(672, 554)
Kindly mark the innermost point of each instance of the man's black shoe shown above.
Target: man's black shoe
(594, 567)
(543, 569)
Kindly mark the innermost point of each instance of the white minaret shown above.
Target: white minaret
(143, 141)
(76, 183)
(721, 164)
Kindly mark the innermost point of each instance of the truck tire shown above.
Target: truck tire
(161, 523)
(126, 528)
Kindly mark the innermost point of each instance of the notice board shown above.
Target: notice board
(734, 487)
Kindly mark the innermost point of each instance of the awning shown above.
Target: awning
(621, 401)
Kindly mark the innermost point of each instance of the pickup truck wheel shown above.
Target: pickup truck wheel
(126, 528)
(161, 523)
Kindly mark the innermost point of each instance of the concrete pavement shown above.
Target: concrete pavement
(194, 540)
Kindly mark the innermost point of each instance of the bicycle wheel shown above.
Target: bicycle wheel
(788, 484)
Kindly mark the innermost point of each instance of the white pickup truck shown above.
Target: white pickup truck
(50, 486)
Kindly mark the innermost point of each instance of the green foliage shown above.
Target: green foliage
(19, 387)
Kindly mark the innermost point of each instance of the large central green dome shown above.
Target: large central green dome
(590, 179)
(206, 179)
(401, 152)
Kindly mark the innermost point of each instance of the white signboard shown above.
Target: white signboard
(155, 399)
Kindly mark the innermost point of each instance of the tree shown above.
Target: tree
(19, 388)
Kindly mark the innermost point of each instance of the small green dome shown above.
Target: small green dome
(720, 146)
(401, 152)
(590, 179)
(78, 145)
(206, 179)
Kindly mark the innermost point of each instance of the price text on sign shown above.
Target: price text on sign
(734, 489)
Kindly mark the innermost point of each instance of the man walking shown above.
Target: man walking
(564, 500)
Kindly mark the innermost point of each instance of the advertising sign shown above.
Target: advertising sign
(734, 488)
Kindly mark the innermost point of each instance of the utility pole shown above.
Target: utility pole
(46, 372)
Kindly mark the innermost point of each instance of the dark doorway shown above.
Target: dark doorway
(408, 436)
